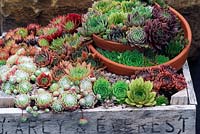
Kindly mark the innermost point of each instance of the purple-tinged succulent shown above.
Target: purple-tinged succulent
(158, 33)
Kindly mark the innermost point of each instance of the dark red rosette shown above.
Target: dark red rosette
(166, 79)
(180, 82)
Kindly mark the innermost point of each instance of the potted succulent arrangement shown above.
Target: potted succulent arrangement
(51, 69)
(133, 35)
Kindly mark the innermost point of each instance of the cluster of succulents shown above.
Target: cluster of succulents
(163, 78)
(140, 24)
(50, 68)
(137, 92)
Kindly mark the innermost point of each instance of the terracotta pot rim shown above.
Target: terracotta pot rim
(109, 41)
(188, 35)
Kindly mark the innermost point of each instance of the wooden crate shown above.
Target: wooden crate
(177, 118)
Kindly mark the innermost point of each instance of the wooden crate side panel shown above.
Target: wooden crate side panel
(175, 120)
(190, 87)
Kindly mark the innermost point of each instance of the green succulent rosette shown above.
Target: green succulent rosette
(69, 101)
(140, 93)
(161, 100)
(44, 100)
(119, 90)
(22, 101)
(54, 87)
(57, 106)
(24, 87)
(8, 86)
(102, 87)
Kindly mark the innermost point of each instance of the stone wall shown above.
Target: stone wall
(14, 13)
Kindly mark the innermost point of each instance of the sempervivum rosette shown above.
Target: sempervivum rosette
(4, 55)
(69, 101)
(57, 106)
(140, 93)
(164, 80)
(158, 34)
(22, 101)
(116, 33)
(102, 87)
(88, 101)
(72, 22)
(57, 20)
(136, 36)
(33, 28)
(51, 32)
(28, 67)
(79, 71)
(44, 80)
(43, 58)
(24, 87)
(44, 100)
(135, 20)
(119, 90)
(57, 72)
(180, 82)
(164, 15)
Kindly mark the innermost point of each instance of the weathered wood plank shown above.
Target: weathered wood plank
(6, 100)
(180, 98)
(190, 87)
(161, 120)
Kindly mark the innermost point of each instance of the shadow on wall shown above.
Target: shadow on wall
(15, 13)
(192, 15)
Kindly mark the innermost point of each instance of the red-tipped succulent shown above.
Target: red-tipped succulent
(33, 28)
(73, 21)
(51, 32)
(4, 55)
(58, 72)
(1, 42)
(43, 57)
(58, 20)
(44, 80)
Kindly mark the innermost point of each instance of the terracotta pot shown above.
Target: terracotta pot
(176, 62)
(110, 45)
